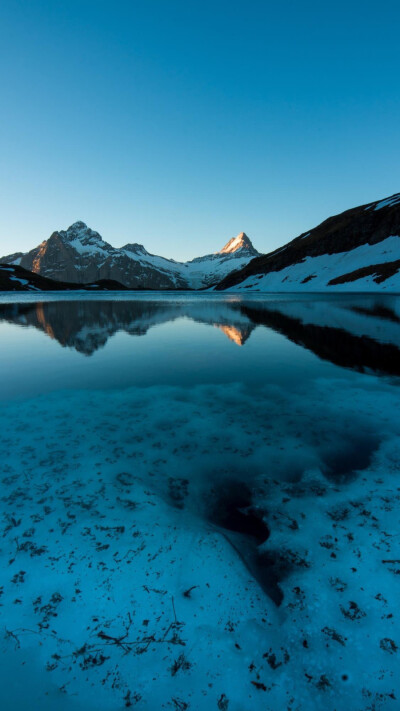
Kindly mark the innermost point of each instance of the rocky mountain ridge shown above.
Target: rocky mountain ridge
(80, 255)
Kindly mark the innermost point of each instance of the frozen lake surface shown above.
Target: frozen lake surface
(200, 502)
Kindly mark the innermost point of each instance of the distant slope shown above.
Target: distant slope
(80, 255)
(15, 278)
(358, 250)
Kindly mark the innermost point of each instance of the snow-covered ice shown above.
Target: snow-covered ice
(126, 581)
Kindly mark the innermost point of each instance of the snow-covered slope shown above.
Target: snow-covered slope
(358, 250)
(80, 255)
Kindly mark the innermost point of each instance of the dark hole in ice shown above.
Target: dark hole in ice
(234, 512)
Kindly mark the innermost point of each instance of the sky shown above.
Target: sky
(179, 124)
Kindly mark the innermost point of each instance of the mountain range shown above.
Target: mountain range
(357, 250)
(80, 255)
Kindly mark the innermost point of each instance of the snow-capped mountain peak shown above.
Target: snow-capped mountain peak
(242, 241)
(78, 226)
(79, 232)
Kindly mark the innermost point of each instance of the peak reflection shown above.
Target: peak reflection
(358, 332)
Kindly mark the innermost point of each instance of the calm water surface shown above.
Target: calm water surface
(120, 341)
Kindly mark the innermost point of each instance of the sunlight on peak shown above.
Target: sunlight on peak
(236, 243)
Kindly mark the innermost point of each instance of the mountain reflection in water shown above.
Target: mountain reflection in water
(359, 332)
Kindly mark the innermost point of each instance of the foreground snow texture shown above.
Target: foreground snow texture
(124, 587)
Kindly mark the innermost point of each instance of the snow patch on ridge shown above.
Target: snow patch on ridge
(388, 202)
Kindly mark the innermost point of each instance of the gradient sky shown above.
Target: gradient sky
(178, 124)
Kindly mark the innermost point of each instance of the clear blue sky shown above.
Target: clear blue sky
(179, 124)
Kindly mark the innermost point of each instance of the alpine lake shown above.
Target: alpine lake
(200, 499)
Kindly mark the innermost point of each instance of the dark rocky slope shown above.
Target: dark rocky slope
(16, 278)
(368, 224)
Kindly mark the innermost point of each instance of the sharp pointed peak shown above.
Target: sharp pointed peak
(241, 241)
